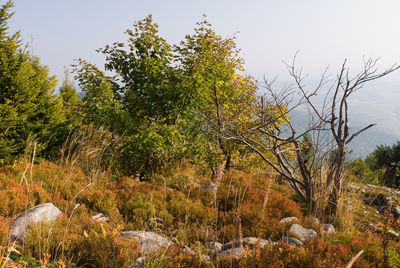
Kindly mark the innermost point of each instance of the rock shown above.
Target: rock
(292, 241)
(328, 229)
(214, 246)
(396, 212)
(393, 233)
(380, 200)
(247, 241)
(234, 253)
(313, 221)
(149, 241)
(288, 219)
(210, 187)
(44, 212)
(302, 233)
(139, 263)
(188, 250)
(100, 217)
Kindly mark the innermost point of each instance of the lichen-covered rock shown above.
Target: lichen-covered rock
(328, 228)
(302, 233)
(44, 212)
(288, 220)
(149, 241)
(292, 241)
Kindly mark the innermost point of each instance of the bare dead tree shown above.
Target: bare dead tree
(272, 135)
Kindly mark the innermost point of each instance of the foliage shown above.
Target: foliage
(27, 104)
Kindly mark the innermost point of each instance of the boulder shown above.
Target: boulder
(149, 241)
(45, 212)
(247, 241)
(100, 217)
(302, 233)
(214, 246)
(292, 241)
(328, 228)
(234, 253)
(288, 220)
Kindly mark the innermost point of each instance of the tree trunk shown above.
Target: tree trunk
(334, 196)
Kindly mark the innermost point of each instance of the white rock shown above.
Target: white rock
(44, 212)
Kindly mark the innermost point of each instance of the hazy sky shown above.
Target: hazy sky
(268, 32)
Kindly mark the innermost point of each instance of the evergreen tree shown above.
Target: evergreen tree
(27, 104)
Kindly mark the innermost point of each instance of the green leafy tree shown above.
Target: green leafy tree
(219, 94)
(27, 103)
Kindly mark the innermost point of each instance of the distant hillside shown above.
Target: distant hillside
(361, 146)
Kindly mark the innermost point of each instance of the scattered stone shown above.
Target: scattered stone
(149, 241)
(100, 217)
(288, 219)
(396, 212)
(248, 241)
(302, 233)
(393, 233)
(214, 246)
(210, 187)
(380, 200)
(44, 212)
(188, 250)
(328, 229)
(234, 253)
(139, 263)
(314, 221)
(292, 241)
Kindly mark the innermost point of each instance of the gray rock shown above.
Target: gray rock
(149, 241)
(210, 187)
(288, 220)
(292, 241)
(214, 246)
(247, 241)
(100, 217)
(302, 233)
(328, 229)
(235, 253)
(44, 212)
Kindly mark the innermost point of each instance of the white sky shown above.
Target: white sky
(324, 31)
